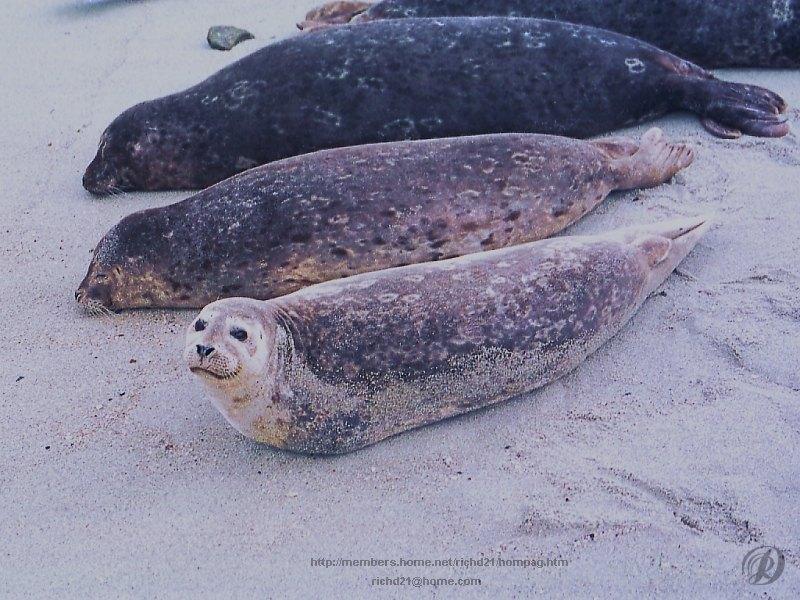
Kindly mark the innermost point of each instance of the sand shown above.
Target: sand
(652, 469)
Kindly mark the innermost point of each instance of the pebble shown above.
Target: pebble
(225, 37)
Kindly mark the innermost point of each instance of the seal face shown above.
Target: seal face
(341, 212)
(414, 79)
(343, 364)
(147, 149)
(712, 33)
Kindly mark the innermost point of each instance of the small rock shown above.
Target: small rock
(20, 378)
(225, 37)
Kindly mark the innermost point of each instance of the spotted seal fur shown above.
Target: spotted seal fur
(335, 213)
(344, 364)
(711, 33)
(414, 79)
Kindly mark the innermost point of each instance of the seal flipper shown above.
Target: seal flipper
(655, 161)
(333, 13)
(729, 110)
(617, 147)
(719, 130)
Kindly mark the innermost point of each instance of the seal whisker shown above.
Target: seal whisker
(115, 191)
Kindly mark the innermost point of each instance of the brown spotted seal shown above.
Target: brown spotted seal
(340, 212)
(343, 364)
(712, 33)
(414, 79)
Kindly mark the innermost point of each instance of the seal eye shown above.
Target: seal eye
(100, 277)
(199, 325)
(239, 334)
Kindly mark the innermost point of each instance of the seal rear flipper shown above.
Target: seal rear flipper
(654, 162)
(333, 13)
(729, 110)
(616, 147)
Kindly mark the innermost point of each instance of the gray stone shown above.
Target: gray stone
(225, 37)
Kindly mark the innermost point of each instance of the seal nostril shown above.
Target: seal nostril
(204, 351)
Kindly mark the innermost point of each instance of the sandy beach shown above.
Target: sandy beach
(651, 470)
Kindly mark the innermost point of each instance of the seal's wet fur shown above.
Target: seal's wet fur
(343, 364)
(712, 33)
(341, 212)
(412, 79)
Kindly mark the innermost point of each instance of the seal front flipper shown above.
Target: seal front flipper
(650, 163)
(729, 110)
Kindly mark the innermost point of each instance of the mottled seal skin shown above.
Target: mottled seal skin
(413, 79)
(344, 364)
(712, 33)
(336, 213)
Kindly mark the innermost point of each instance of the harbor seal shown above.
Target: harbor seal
(712, 33)
(340, 365)
(414, 79)
(340, 212)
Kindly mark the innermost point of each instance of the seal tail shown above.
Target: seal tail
(664, 244)
(333, 13)
(650, 163)
(729, 110)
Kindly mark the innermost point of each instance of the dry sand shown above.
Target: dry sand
(653, 468)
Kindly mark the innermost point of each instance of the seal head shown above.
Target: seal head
(239, 351)
(96, 291)
(145, 149)
(226, 348)
(129, 265)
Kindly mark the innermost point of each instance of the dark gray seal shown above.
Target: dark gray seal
(712, 33)
(411, 79)
(343, 364)
(335, 213)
